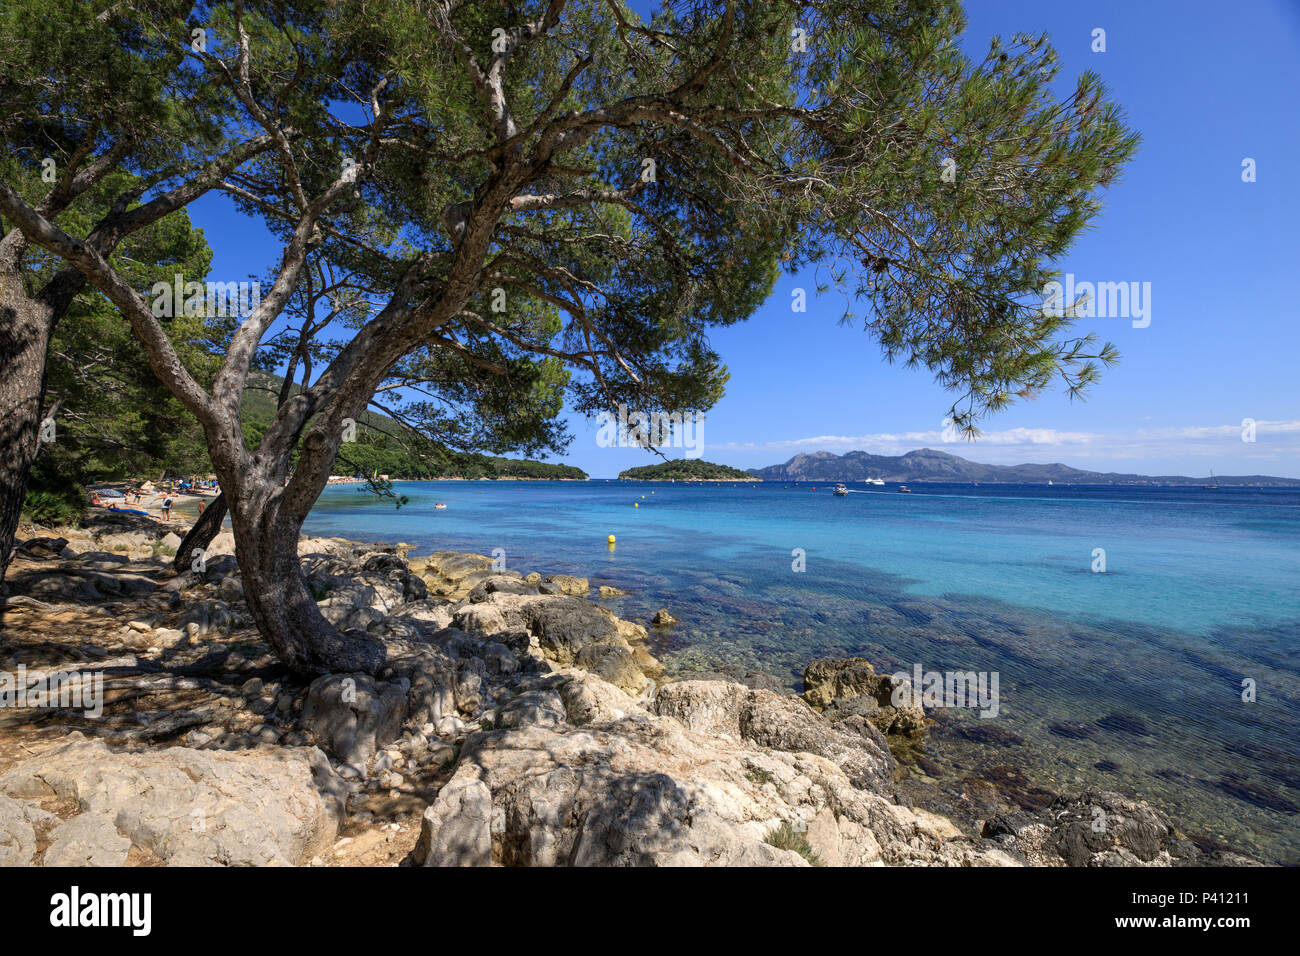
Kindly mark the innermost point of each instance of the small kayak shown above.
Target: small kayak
(129, 511)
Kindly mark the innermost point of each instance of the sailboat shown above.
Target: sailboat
(1213, 485)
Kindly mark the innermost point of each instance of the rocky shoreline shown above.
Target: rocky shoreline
(516, 722)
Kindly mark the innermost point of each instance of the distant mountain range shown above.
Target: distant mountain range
(927, 464)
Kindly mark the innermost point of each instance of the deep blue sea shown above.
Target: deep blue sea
(1130, 679)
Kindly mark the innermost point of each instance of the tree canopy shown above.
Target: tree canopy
(560, 199)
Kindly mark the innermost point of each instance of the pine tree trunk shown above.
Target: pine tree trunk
(200, 534)
(24, 339)
(276, 591)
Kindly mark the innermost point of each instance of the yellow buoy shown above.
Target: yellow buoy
(636, 504)
(610, 539)
(643, 497)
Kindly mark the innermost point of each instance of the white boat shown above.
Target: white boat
(841, 491)
(875, 481)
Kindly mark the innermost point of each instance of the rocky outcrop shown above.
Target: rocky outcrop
(583, 775)
(183, 807)
(567, 631)
(1101, 828)
(565, 584)
(528, 726)
(352, 715)
(452, 575)
(778, 722)
(17, 833)
(850, 691)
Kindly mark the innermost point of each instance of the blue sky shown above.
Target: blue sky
(1207, 84)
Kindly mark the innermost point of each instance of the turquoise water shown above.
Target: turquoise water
(1131, 679)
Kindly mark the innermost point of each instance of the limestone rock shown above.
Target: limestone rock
(266, 806)
(17, 837)
(565, 584)
(851, 687)
(88, 839)
(1101, 828)
(777, 721)
(825, 680)
(456, 829)
(577, 773)
(353, 715)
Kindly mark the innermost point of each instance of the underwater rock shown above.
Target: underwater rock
(1123, 723)
(1255, 794)
(1073, 731)
(987, 734)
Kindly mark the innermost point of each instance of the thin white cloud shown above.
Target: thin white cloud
(1274, 440)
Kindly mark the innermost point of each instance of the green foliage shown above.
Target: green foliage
(585, 280)
(114, 418)
(759, 776)
(685, 469)
(786, 837)
(53, 497)
(47, 508)
(548, 471)
(385, 446)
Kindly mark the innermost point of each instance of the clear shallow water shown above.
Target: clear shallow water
(1201, 591)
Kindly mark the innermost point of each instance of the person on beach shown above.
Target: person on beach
(201, 509)
(167, 508)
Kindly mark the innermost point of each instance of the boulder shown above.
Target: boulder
(265, 806)
(565, 626)
(451, 574)
(777, 721)
(617, 665)
(825, 680)
(499, 584)
(17, 836)
(565, 584)
(1101, 828)
(577, 773)
(88, 839)
(851, 688)
(353, 715)
(456, 829)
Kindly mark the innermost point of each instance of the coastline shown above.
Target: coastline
(493, 677)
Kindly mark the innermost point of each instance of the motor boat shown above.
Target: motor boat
(840, 491)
